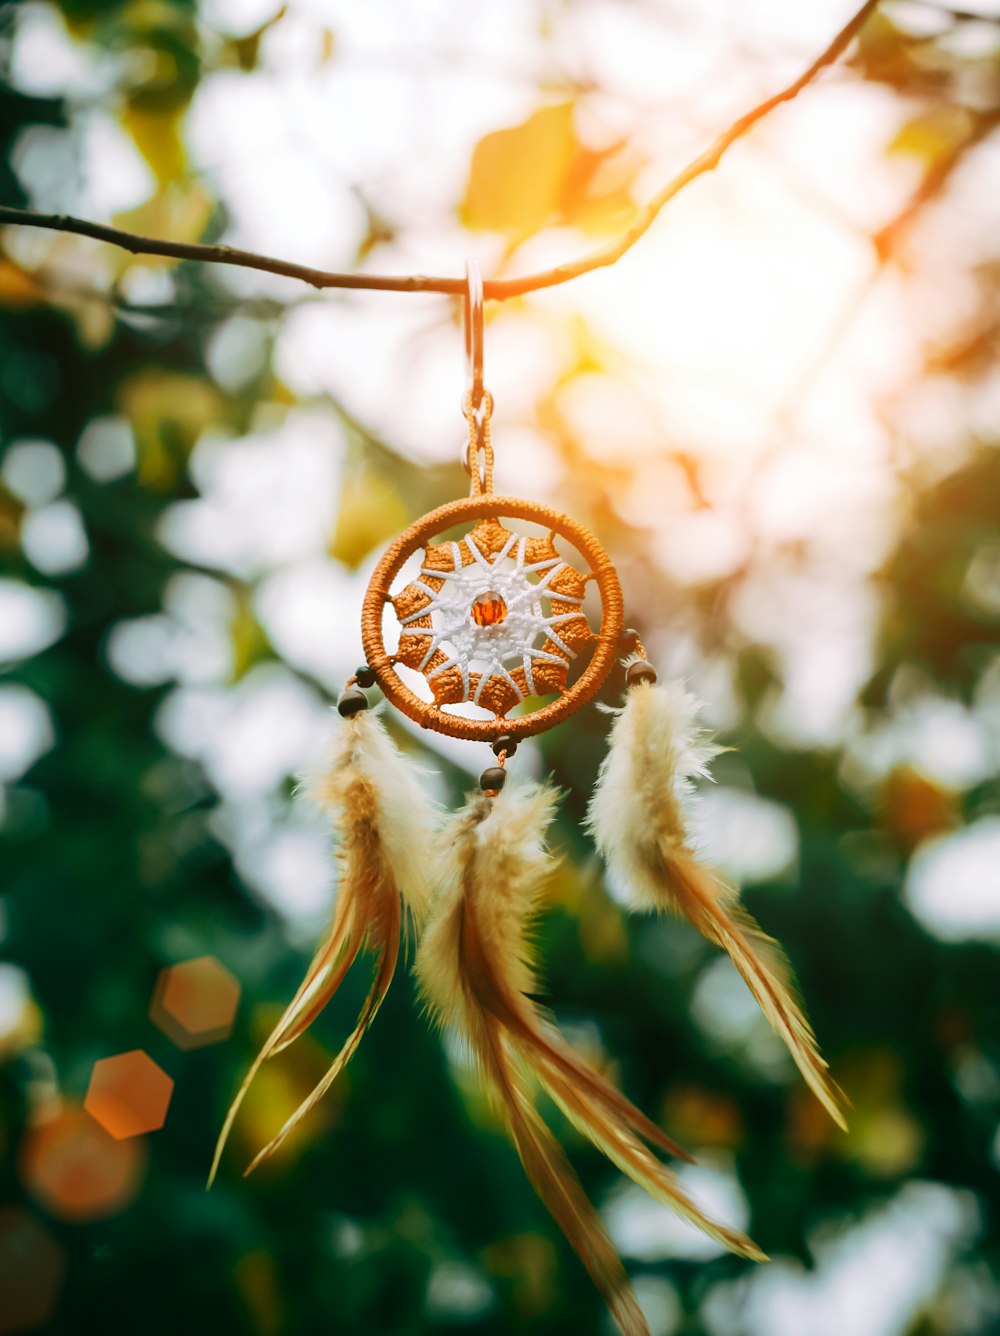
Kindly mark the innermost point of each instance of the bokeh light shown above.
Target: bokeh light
(20, 1017)
(195, 1002)
(32, 1265)
(128, 1094)
(76, 1170)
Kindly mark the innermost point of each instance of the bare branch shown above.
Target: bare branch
(934, 182)
(187, 250)
(493, 290)
(707, 162)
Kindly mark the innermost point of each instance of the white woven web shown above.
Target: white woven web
(517, 640)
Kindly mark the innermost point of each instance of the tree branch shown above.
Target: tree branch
(934, 182)
(493, 290)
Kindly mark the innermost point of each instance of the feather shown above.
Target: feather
(385, 826)
(475, 969)
(638, 819)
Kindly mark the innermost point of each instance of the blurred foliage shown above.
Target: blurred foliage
(400, 1208)
(523, 178)
(937, 619)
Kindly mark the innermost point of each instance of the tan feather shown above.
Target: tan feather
(475, 971)
(385, 826)
(639, 822)
(553, 1178)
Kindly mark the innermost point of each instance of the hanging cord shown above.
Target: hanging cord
(477, 455)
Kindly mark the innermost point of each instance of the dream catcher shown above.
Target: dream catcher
(485, 601)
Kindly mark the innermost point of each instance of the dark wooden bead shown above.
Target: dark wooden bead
(493, 779)
(365, 676)
(629, 636)
(640, 671)
(351, 702)
(504, 743)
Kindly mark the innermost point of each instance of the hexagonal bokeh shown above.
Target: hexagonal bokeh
(31, 1271)
(128, 1094)
(76, 1171)
(195, 1002)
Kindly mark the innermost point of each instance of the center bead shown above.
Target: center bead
(489, 609)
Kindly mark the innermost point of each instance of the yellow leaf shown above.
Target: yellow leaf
(933, 134)
(18, 288)
(280, 394)
(11, 513)
(156, 131)
(168, 411)
(517, 176)
(597, 190)
(538, 172)
(93, 317)
(244, 52)
(249, 643)
(176, 213)
(371, 510)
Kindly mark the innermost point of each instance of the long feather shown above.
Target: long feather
(385, 826)
(639, 822)
(475, 969)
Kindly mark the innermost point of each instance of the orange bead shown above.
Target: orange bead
(489, 609)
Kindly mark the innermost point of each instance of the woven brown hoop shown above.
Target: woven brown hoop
(429, 715)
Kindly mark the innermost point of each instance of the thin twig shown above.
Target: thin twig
(934, 182)
(707, 162)
(493, 290)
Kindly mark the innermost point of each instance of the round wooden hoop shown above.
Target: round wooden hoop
(429, 715)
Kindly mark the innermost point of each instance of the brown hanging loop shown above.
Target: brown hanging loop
(477, 454)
